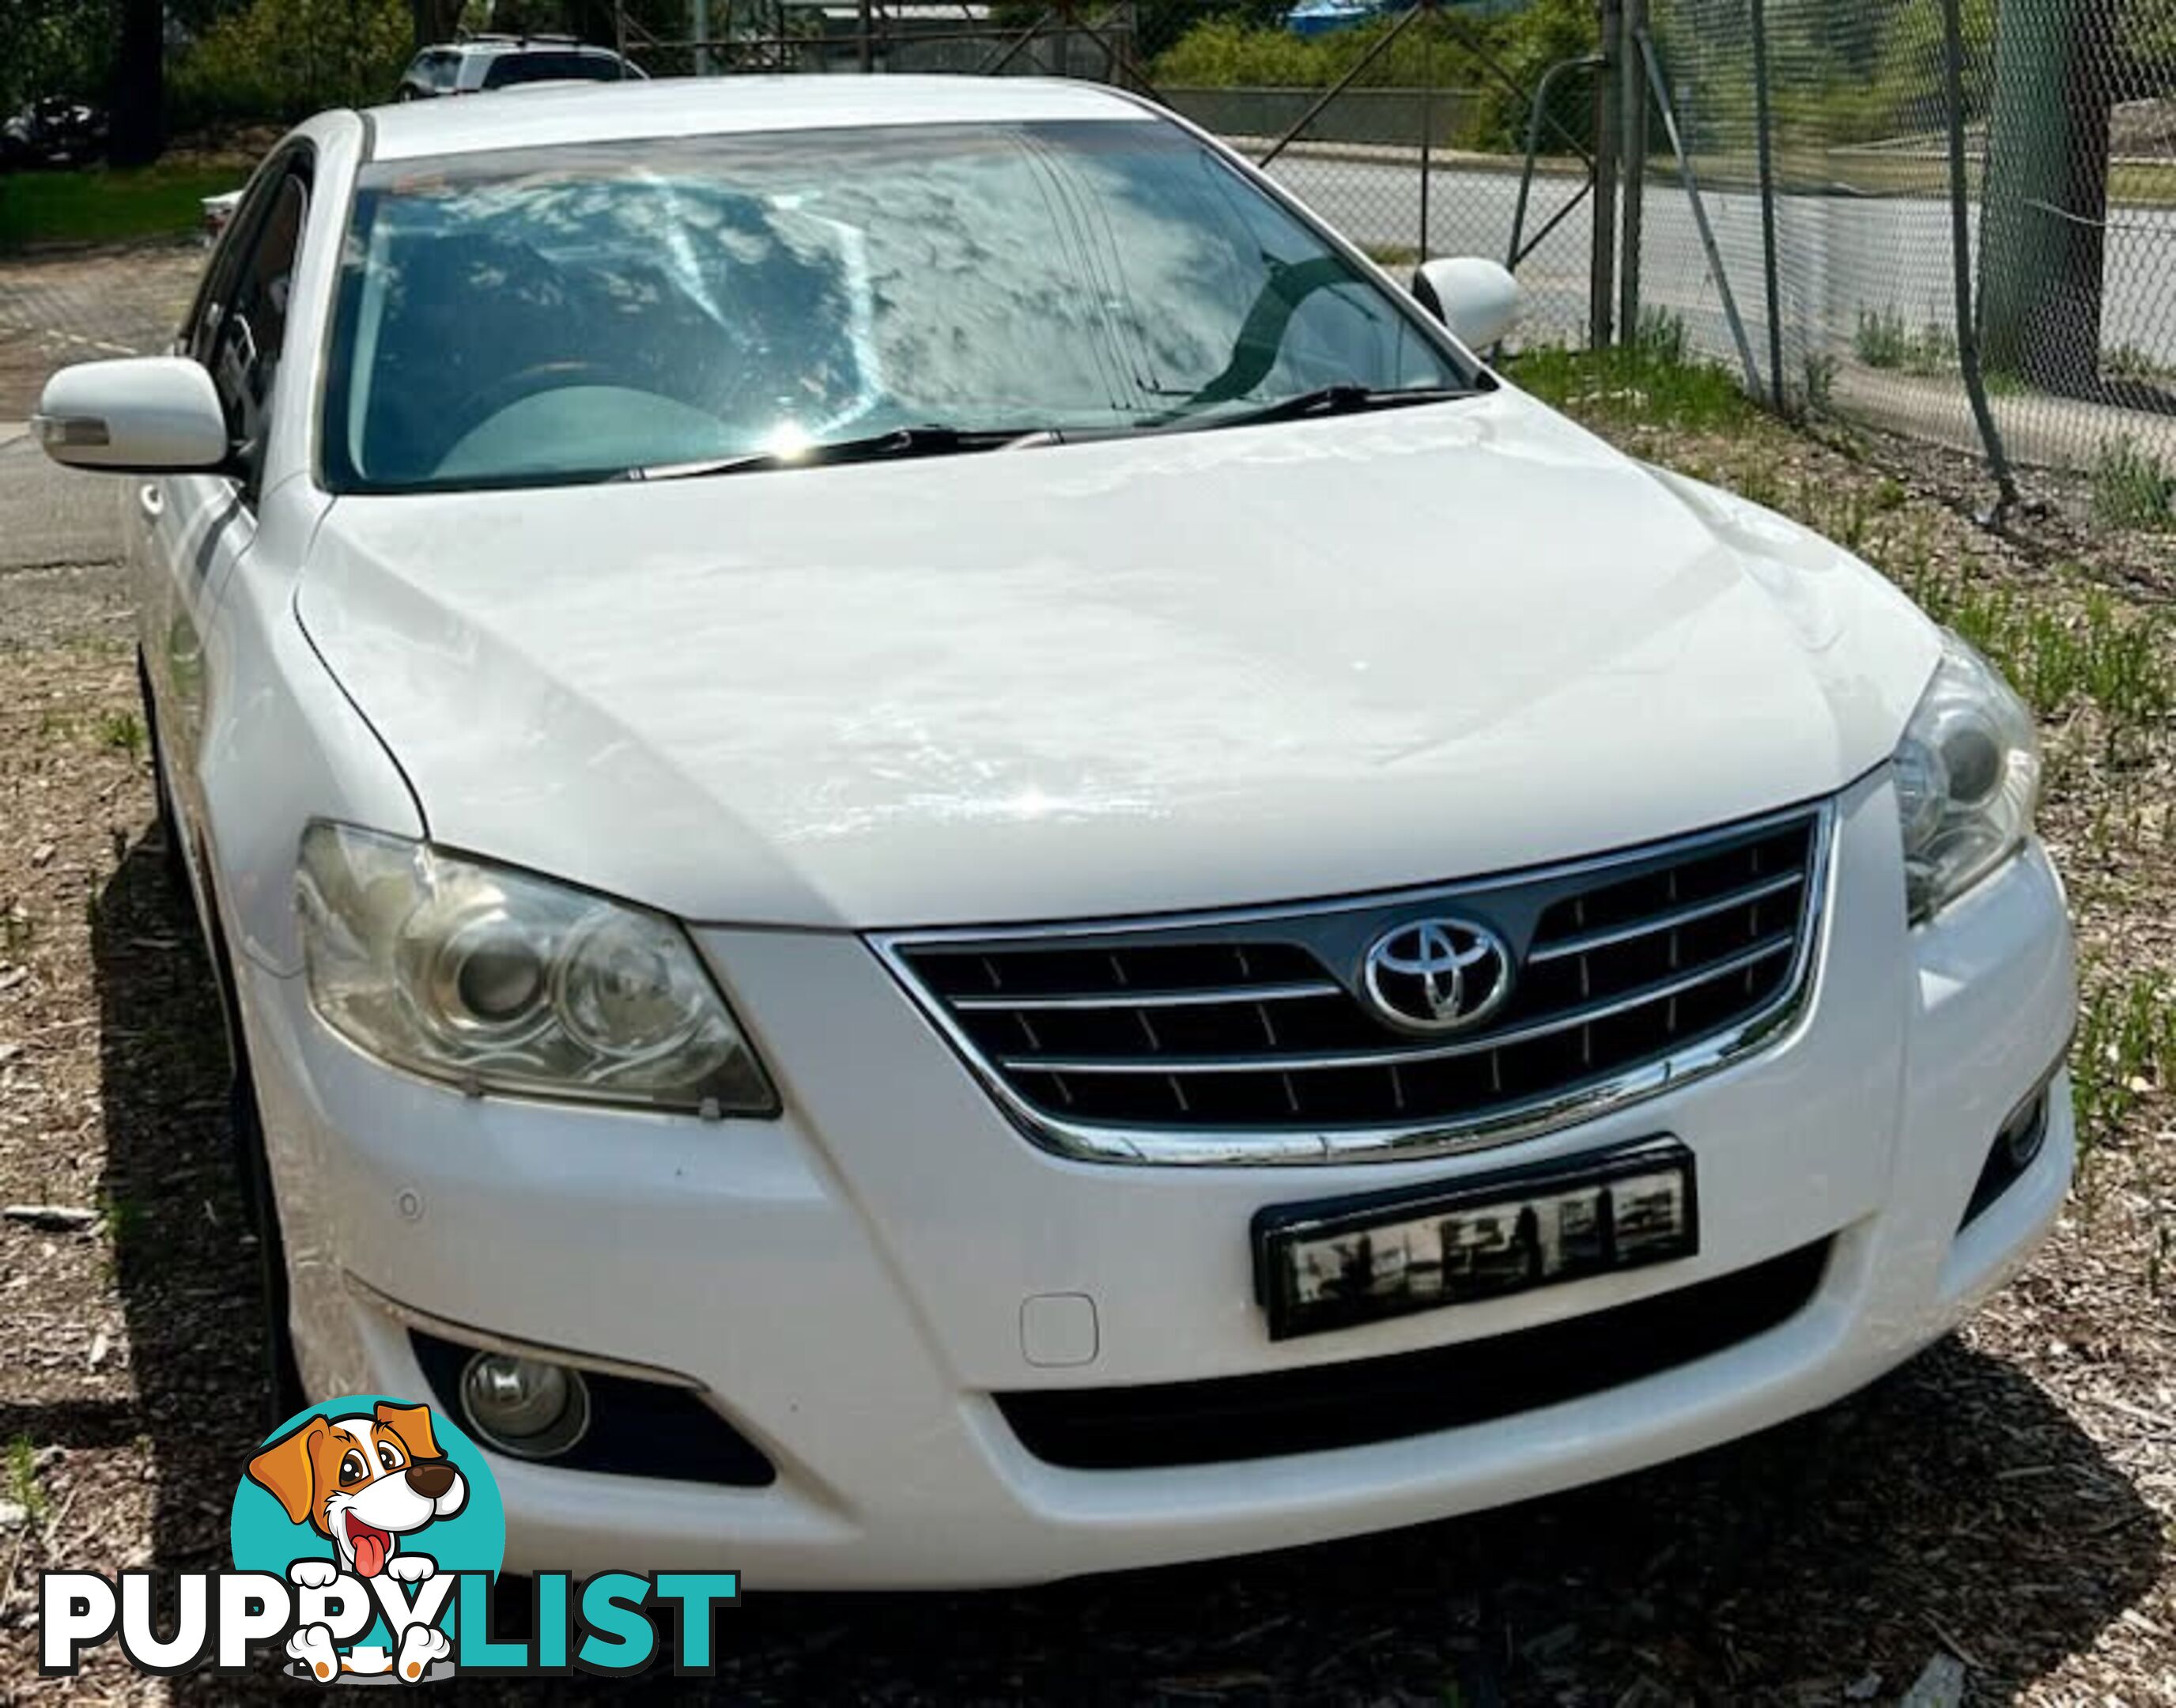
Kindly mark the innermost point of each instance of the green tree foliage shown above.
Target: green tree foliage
(1499, 57)
(54, 47)
(1843, 71)
(1160, 25)
(276, 61)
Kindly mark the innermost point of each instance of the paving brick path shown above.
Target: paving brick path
(56, 309)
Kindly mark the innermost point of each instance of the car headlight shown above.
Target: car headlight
(1967, 778)
(499, 980)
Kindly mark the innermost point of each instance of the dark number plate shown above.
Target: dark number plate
(1341, 1262)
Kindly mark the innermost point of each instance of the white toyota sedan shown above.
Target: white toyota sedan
(942, 855)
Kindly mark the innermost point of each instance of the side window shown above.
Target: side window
(217, 288)
(241, 346)
(511, 68)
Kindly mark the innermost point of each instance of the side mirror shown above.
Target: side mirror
(140, 415)
(1477, 300)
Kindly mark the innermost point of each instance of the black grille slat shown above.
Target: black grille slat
(1321, 1407)
(1704, 878)
(1214, 1026)
(1058, 970)
(1562, 1023)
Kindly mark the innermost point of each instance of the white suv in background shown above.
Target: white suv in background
(479, 62)
(941, 855)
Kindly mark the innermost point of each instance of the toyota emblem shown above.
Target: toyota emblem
(1438, 974)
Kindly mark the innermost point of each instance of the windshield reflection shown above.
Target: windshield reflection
(577, 311)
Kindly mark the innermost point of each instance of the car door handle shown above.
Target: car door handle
(150, 500)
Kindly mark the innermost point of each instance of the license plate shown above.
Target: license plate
(1338, 1263)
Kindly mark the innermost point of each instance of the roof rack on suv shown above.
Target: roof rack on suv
(556, 38)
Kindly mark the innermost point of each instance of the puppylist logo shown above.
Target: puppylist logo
(366, 1535)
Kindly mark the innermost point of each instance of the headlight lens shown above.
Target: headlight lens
(499, 980)
(1967, 778)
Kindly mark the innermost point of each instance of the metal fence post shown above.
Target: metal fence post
(1632, 106)
(1953, 91)
(1764, 144)
(1601, 280)
(1427, 118)
(1643, 44)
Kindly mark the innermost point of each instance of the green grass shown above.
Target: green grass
(22, 1476)
(1649, 382)
(2128, 362)
(2058, 660)
(123, 1220)
(2126, 1046)
(1819, 375)
(122, 731)
(102, 205)
(2130, 488)
(1883, 340)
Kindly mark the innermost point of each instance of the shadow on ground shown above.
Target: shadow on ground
(1953, 1505)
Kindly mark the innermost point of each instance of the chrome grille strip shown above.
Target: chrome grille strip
(1564, 1021)
(1152, 999)
(1307, 1084)
(1564, 947)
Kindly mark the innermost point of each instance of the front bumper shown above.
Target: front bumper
(852, 1283)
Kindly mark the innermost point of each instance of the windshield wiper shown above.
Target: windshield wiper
(925, 441)
(931, 439)
(1344, 399)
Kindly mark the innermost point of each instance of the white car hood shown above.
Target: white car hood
(1195, 671)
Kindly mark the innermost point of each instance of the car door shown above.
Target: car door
(192, 529)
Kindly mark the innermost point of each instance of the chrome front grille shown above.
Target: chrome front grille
(1247, 1037)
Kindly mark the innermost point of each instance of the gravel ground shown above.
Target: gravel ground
(1998, 1511)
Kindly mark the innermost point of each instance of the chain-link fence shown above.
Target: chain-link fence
(1955, 219)
(1439, 129)
(1094, 41)
(1971, 205)
(1411, 129)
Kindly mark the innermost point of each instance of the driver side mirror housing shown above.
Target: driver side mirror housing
(137, 415)
(1477, 300)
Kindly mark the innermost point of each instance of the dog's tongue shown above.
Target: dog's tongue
(371, 1548)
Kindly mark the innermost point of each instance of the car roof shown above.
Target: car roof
(496, 45)
(727, 105)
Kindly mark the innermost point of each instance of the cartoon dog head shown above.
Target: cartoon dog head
(364, 1482)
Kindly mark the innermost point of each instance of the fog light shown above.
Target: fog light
(524, 1406)
(2017, 1143)
(2025, 1135)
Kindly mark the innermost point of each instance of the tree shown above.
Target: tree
(60, 47)
(2042, 252)
(436, 20)
(139, 84)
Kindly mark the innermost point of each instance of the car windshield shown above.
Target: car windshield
(579, 312)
